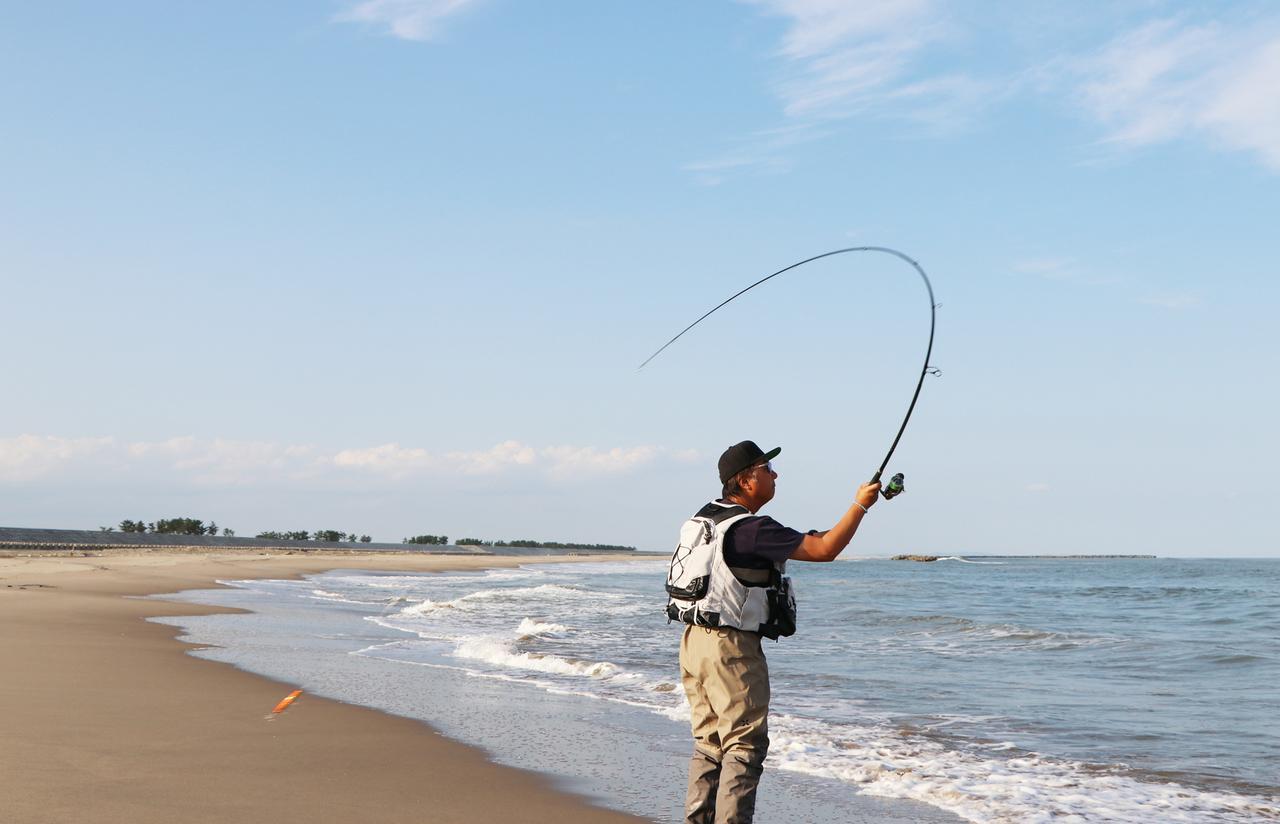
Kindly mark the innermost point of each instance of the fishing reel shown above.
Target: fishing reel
(894, 488)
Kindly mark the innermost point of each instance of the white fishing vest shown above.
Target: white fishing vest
(705, 591)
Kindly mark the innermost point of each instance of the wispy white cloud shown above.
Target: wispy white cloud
(1173, 78)
(762, 152)
(842, 53)
(1051, 268)
(389, 459)
(841, 59)
(1064, 270)
(393, 460)
(32, 456)
(1172, 300)
(501, 457)
(1119, 287)
(1211, 78)
(571, 461)
(406, 19)
(222, 462)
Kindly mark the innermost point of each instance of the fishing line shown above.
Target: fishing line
(894, 486)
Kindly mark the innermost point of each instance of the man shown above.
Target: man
(727, 583)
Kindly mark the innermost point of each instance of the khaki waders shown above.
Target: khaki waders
(726, 679)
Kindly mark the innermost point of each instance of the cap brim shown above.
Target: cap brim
(759, 460)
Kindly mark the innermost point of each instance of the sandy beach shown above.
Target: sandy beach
(106, 719)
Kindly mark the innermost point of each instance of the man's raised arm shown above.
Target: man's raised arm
(827, 546)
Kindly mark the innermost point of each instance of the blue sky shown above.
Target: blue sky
(388, 266)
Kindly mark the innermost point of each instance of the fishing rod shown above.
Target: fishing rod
(895, 485)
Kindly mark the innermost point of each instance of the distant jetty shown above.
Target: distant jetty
(925, 559)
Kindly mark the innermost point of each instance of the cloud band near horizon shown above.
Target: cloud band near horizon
(224, 462)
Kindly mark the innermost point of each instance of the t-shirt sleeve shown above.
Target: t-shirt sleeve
(761, 537)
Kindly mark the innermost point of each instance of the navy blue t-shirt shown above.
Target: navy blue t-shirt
(759, 537)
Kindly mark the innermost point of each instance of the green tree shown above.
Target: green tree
(178, 526)
(364, 539)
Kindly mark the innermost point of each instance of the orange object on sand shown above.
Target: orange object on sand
(286, 701)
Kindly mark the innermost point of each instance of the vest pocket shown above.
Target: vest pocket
(782, 612)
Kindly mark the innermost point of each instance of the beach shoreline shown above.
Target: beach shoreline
(108, 719)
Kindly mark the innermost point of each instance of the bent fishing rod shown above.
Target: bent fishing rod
(895, 485)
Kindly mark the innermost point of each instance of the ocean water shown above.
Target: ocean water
(984, 689)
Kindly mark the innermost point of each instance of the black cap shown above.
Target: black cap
(742, 456)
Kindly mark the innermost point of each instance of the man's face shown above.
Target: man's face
(763, 479)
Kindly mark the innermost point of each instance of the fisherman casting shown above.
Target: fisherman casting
(728, 583)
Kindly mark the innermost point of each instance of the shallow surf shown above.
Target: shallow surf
(1022, 690)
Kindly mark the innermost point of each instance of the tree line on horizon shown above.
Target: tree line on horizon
(195, 526)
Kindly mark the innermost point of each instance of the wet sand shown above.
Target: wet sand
(107, 719)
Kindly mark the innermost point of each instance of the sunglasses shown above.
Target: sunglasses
(767, 466)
